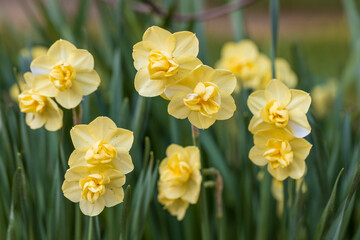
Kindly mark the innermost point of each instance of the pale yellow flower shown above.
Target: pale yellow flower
(283, 154)
(284, 73)
(323, 97)
(40, 110)
(162, 59)
(15, 91)
(245, 61)
(35, 52)
(101, 142)
(203, 96)
(281, 108)
(66, 73)
(94, 187)
(180, 179)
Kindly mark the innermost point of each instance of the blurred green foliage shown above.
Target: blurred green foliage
(33, 162)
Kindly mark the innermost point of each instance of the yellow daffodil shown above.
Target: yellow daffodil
(101, 142)
(180, 179)
(283, 153)
(281, 108)
(203, 96)
(162, 59)
(284, 73)
(94, 187)
(35, 52)
(245, 61)
(66, 73)
(40, 110)
(323, 97)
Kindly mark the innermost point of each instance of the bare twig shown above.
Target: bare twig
(148, 7)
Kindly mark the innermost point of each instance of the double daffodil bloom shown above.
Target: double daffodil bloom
(94, 187)
(162, 59)
(102, 143)
(66, 73)
(245, 61)
(40, 110)
(283, 154)
(180, 179)
(203, 96)
(284, 73)
(281, 108)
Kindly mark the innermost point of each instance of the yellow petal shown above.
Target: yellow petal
(140, 55)
(123, 161)
(177, 108)
(77, 157)
(61, 50)
(178, 208)
(193, 188)
(113, 196)
(256, 155)
(301, 148)
(44, 86)
(276, 90)
(256, 101)
(257, 124)
(117, 178)
(227, 108)
(70, 97)
(43, 65)
(278, 173)
(81, 60)
(172, 191)
(299, 100)
(172, 149)
(147, 87)
(35, 120)
(186, 64)
(29, 79)
(296, 168)
(121, 138)
(81, 136)
(186, 44)
(200, 121)
(72, 191)
(170, 91)
(54, 116)
(103, 128)
(92, 209)
(161, 38)
(76, 173)
(88, 81)
(194, 157)
(298, 123)
(224, 80)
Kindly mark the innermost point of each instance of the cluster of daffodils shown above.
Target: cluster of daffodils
(279, 125)
(180, 179)
(63, 72)
(167, 66)
(98, 165)
(252, 68)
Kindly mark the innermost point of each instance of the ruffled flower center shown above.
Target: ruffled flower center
(177, 169)
(279, 153)
(205, 99)
(161, 66)
(31, 102)
(100, 153)
(241, 68)
(274, 112)
(93, 187)
(62, 76)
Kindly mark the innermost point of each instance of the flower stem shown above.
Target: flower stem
(77, 115)
(90, 229)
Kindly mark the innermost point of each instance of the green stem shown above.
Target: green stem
(90, 229)
(274, 15)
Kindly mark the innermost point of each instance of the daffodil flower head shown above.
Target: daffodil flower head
(102, 143)
(284, 73)
(94, 187)
(281, 108)
(245, 61)
(203, 96)
(283, 153)
(66, 73)
(180, 179)
(40, 110)
(162, 59)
